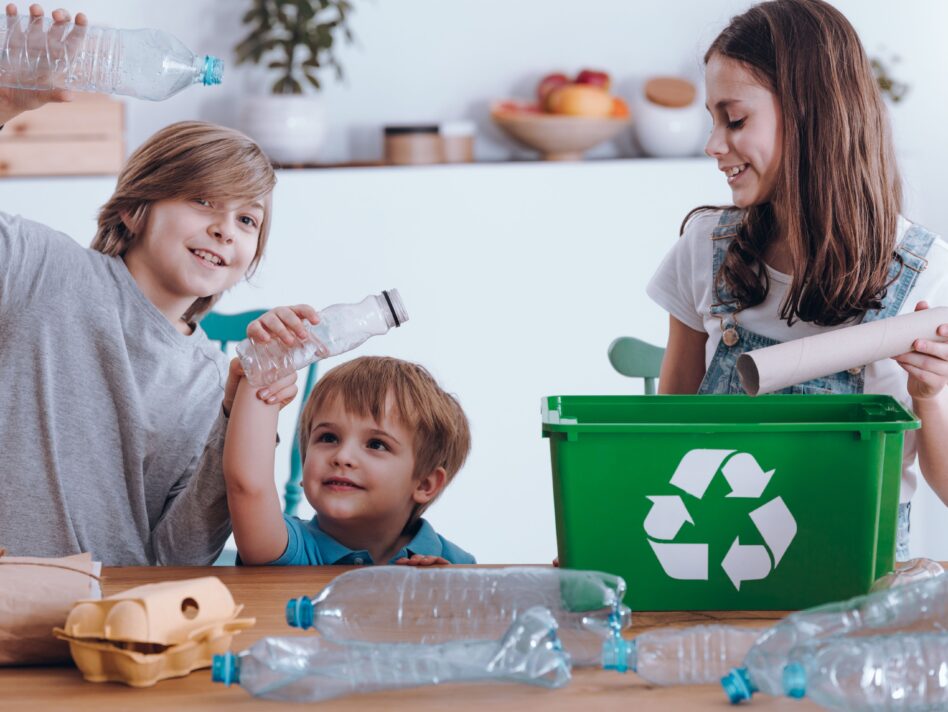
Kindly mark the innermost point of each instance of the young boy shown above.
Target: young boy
(379, 441)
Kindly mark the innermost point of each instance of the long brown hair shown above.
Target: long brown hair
(838, 193)
(189, 159)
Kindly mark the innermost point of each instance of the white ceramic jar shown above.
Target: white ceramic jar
(291, 128)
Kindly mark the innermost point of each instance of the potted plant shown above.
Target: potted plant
(296, 39)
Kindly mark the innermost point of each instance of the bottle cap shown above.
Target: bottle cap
(794, 680)
(299, 612)
(738, 686)
(394, 301)
(213, 70)
(225, 668)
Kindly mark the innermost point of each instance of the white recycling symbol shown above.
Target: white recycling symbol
(747, 479)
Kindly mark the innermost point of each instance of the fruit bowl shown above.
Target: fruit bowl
(556, 137)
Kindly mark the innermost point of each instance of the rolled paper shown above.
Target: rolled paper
(787, 364)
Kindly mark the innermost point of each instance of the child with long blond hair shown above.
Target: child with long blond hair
(112, 424)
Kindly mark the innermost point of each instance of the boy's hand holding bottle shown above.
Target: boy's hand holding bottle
(287, 325)
(15, 101)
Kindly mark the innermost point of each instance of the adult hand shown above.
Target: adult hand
(57, 51)
(926, 364)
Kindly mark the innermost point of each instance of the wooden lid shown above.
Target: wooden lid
(672, 92)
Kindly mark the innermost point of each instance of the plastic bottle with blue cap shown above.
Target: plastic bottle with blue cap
(901, 671)
(147, 64)
(917, 606)
(401, 603)
(697, 655)
(310, 669)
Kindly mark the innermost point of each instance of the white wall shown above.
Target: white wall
(548, 245)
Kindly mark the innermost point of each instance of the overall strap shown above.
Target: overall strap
(909, 260)
(722, 234)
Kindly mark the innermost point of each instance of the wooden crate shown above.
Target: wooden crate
(82, 137)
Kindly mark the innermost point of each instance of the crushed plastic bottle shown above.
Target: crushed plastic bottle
(400, 603)
(341, 328)
(697, 655)
(911, 571)
(148, 64)
(921, 605)
(310, 669)
(902, 671)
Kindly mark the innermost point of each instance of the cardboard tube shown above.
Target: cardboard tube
(776, 367)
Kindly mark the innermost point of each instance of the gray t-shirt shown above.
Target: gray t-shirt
(111, 430)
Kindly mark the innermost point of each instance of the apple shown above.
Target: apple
(595, 77)
(548, 84)
(580, 100)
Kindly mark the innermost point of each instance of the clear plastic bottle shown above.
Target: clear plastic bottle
(309, 669)
(341, 328)
(401, 603)
(148, 64)
(921, 605)
(903, 671)
(910, 571)
(698, 655)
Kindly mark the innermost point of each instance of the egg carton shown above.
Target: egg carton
(153, 632)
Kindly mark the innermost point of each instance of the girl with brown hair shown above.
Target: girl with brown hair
(815, 240)
(112, 425)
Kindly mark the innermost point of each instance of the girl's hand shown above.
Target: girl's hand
(926, 364)
(421, 560)
(283, 323)
(282, 391)
(60, 46)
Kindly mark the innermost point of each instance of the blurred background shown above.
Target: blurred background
(517, 272)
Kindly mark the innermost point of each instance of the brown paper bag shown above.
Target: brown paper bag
(36, 595)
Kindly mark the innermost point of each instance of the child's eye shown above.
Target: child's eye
(376, 444)
(203, 201)
(736, 124)
(248, 221)
(326, 438)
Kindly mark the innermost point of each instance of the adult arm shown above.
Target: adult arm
(683, 364)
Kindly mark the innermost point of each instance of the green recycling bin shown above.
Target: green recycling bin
(728, 502)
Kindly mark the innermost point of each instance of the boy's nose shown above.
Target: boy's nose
(219, 230)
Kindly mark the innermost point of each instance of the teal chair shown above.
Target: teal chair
(227, 328)
(637, 359)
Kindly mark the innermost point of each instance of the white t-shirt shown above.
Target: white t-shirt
(682, 286)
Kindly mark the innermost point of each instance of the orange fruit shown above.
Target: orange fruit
(620, 109)
(579, 100)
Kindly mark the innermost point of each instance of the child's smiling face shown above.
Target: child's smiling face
(359, 471)
(196, 248)
(746, 140)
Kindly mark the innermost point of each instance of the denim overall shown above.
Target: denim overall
(722, 377)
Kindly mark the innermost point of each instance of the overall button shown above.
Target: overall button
(855, 371)
(730, 337)
(358, 560)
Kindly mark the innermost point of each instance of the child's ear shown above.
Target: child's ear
(430, 486)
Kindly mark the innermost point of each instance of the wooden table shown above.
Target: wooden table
(264, 592)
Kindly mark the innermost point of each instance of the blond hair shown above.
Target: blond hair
(189, 159)
(441, 434)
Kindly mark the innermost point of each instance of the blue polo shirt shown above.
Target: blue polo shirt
(308, 545)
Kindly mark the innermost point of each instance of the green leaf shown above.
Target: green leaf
(313, 80)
